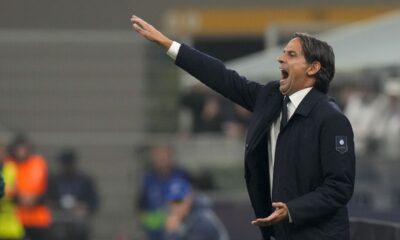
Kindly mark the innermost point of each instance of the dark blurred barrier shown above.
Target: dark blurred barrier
(237, 216)
(368, 229)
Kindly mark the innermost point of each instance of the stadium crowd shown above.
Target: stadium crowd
(38, 205)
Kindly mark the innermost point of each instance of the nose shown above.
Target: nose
(280, 59)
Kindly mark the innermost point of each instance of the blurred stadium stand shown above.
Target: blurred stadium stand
(84, 90)
(72, 81)
(373, 229)
(358, 46)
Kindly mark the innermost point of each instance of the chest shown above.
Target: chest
(298, 139)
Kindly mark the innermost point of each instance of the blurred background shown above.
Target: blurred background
(91, 104)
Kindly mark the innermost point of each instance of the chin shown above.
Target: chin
(283, 89)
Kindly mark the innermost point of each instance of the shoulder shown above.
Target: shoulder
(180, 173)
(37, 161)
(267, 90)
(38, 158)
(330, 114)
(10, 164)
(327, 107)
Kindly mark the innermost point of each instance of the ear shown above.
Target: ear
(313, 68)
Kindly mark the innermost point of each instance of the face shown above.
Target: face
(67, 168)
(22, 152)
(161, 158)
(296, 73)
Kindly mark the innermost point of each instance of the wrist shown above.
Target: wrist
(165, 42)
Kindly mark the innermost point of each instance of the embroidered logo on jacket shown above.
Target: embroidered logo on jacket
(341, 144)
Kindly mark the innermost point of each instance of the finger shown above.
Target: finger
(268, 219)
(278, 218)
(143, 24)
(136, 20)
(275, 217)
(278, 205)
(259, 220)
(137, 28)
(281, 208)
(271, 217)
(134, 17)
(139, 24)
(260, 223)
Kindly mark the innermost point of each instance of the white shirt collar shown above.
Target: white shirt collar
(298, 96)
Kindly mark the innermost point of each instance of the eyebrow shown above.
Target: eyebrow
(289, 51)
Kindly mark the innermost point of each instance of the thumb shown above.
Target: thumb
(278, 205)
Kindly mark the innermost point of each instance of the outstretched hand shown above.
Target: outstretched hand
(281, 213)
(149, 32)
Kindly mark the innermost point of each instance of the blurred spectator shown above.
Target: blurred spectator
(361, 109)
(236, 124)
(205, 109)
(10, 226)
(211, 113)
(74, 198)
(203, 180)
(190, 215)
(386, 132)
(152, 201)
(31, 187)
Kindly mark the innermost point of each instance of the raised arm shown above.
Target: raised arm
(208, 70)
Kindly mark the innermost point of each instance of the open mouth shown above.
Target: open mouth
(284, 74)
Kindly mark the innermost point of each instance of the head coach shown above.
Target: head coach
(299, 152)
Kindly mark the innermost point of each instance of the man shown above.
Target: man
(152, 202)
(10, 226)
(30, 189)
(74, 198)
(190, 215)
(299, 154)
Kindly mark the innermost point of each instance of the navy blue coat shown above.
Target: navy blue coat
(314, 159)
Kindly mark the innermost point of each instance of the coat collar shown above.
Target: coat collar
(262, 120)
(309, 101)
(297, 97)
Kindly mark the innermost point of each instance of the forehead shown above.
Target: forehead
(294, 45)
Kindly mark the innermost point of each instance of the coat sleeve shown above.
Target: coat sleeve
(215, 75)
(338, 171)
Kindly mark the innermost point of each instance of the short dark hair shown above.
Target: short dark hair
(320, 51)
